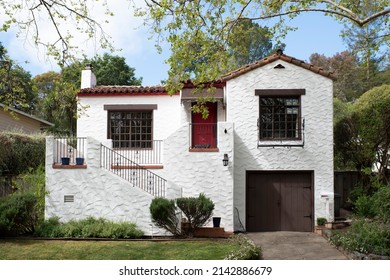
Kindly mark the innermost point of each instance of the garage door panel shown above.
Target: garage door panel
(279, 201)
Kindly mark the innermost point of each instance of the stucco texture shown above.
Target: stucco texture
(317, 110)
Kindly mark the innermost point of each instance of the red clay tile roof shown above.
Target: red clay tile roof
(123, 90)
(161, 90)
(278, 55)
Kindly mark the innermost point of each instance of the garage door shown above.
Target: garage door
(279, 201)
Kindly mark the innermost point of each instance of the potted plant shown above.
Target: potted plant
(79, 161)
(65, 160)
(320, 224)
(216, 221)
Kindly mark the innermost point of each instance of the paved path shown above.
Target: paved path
(285, 245)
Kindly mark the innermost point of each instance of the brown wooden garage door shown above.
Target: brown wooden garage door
(279, 201)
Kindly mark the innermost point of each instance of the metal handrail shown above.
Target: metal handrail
(142, 152)
(132, 172)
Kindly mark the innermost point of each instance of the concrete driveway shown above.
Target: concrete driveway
(286, 245)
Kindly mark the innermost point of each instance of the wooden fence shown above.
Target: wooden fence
(6, 183)
(344, 183)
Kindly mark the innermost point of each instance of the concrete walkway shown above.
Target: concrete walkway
(285, 245)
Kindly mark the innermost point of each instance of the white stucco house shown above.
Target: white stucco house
(272, 123)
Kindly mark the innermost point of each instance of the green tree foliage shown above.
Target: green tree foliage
(370, 42)
(109, 70)
(15, 84)
(56, 92)
(349, 84)
(20, 152)
(56, 102)
(200, 30)
(363, 137)
(249, 42)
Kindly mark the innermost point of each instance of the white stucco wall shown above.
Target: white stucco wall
(93, 121)
(97, 193)
(192, 173)
(317, 110)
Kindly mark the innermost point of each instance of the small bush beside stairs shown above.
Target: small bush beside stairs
(197, 211)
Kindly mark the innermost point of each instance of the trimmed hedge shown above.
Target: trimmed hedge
(19, 152)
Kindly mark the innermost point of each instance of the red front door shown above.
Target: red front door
(204, 131)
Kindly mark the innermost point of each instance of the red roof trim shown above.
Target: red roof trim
(123, 91)
(275, 57)
(98, 94)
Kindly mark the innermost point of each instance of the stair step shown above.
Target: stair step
(212, 232)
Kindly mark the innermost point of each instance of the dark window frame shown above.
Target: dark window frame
(284, 114)
(135, 120)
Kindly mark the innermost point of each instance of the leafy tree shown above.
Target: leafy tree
(57, 102)
(109, 70)
(56, 92)
(349, 84)
(363, 137)
(198, 29)
(15, 84)
(370, 41)
(249, 42)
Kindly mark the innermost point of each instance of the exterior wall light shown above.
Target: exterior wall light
(225, 160)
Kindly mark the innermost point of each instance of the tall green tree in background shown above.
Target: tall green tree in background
(109, 70)
(362, 136)
(349, 84)
(57, 92)
(249, 42)
(15, 84)
(57, 102)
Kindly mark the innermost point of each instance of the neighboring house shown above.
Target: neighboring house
(15, 120)
(272, 123)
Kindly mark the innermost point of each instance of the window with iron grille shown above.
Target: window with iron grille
(130, 129)
(280, 118)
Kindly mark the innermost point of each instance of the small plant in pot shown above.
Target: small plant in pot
(65, 160)
(79, 161)
(321, 221)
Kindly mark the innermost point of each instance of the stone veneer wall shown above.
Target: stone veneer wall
(97, 192)
(317, 153)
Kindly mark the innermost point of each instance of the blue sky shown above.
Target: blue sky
(316, 34)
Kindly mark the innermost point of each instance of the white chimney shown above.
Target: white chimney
(88, 78)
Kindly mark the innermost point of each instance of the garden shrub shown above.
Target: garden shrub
(247, 249)
(381, 203)
(88, 228)
(164, 214)
(17, 214)
(364, 236)
(197, 210)
(19, 152)
(363, 206)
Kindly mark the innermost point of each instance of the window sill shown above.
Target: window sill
(70, 166)
(281, 143)
(203, 150)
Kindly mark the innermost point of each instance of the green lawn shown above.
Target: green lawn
(16, 249)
